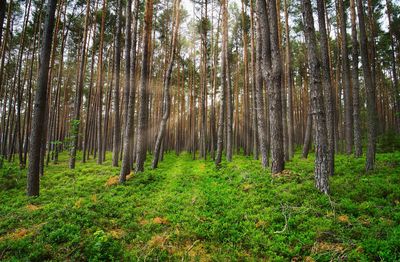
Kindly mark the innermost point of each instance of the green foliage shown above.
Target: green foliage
(191, 210)
(388, 142)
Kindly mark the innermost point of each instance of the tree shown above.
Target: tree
(272, 73)
(321, 169)
(144, 83)
(369, 89)
(79, 88)
(39, 108)
(117, 57)
(167, 81)
(223, 93)
(327, 86)
(348, 107)
(355, 83)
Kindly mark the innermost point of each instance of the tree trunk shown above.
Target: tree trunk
(166, 93)
(39, 109)
(117, 57)
(144, 82)
(78, 98)
(369, 89)
(321, 170)
(327, 86)
(355, 84)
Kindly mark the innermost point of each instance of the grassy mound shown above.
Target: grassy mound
(192, 211)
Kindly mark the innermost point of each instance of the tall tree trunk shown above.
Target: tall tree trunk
(348, 107)
(262, 127)
(355, 83)
(289, 84)
(144, 82)
(395, 80)
(166, 93)
(39, 109)
(369, 89)
(327, 86)
(272, 73)
(321, 170)
(79, 89)
(100, 82)
(222, 110)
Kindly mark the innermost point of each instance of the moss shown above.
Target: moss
(192, 210)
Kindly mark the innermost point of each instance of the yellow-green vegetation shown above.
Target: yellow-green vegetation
(192, 211)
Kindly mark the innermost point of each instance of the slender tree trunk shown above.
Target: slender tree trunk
(117, 57)
(348, 107)
(39, 109)
(262, 128)
(166, 93)
(222, 110)
(143, 96)
(327, 86)
(272, 73)
(355, 83)
(321, 170)
(78, 98)
(369, 89)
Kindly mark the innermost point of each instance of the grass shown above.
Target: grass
(192, 211)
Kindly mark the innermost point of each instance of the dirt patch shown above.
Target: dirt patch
(114, 180)
(343, 219)
(284, 173)
(32, 207)
(160, 221)
(157, 241)
(117, 233)
(327, 247)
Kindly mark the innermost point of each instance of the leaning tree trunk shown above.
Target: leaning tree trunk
(143, 96)
(321, 170)
(39, 108)
(167, 81)
(369, 89)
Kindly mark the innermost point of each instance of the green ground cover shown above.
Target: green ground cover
(192, 211)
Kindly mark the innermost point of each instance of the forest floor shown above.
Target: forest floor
(192, 211)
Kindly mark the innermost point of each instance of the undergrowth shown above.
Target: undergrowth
(190, 210)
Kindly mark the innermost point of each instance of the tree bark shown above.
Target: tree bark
(117, 57)
(327, 86)
(369, 89)
(166, 93)
(321, 170)
(143, 96)
(39, 109)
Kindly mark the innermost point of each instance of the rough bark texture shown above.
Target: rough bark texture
(261, 122)
(321, 170)
(327, 86)
(126, 153)
(117, 57)
(348, 105)
(369, 89)
(166, 93)
(222, 110)
(355, 83)
(144, 82)
(39, 108)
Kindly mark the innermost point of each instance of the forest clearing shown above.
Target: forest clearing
(193, 211)
(199, 130)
